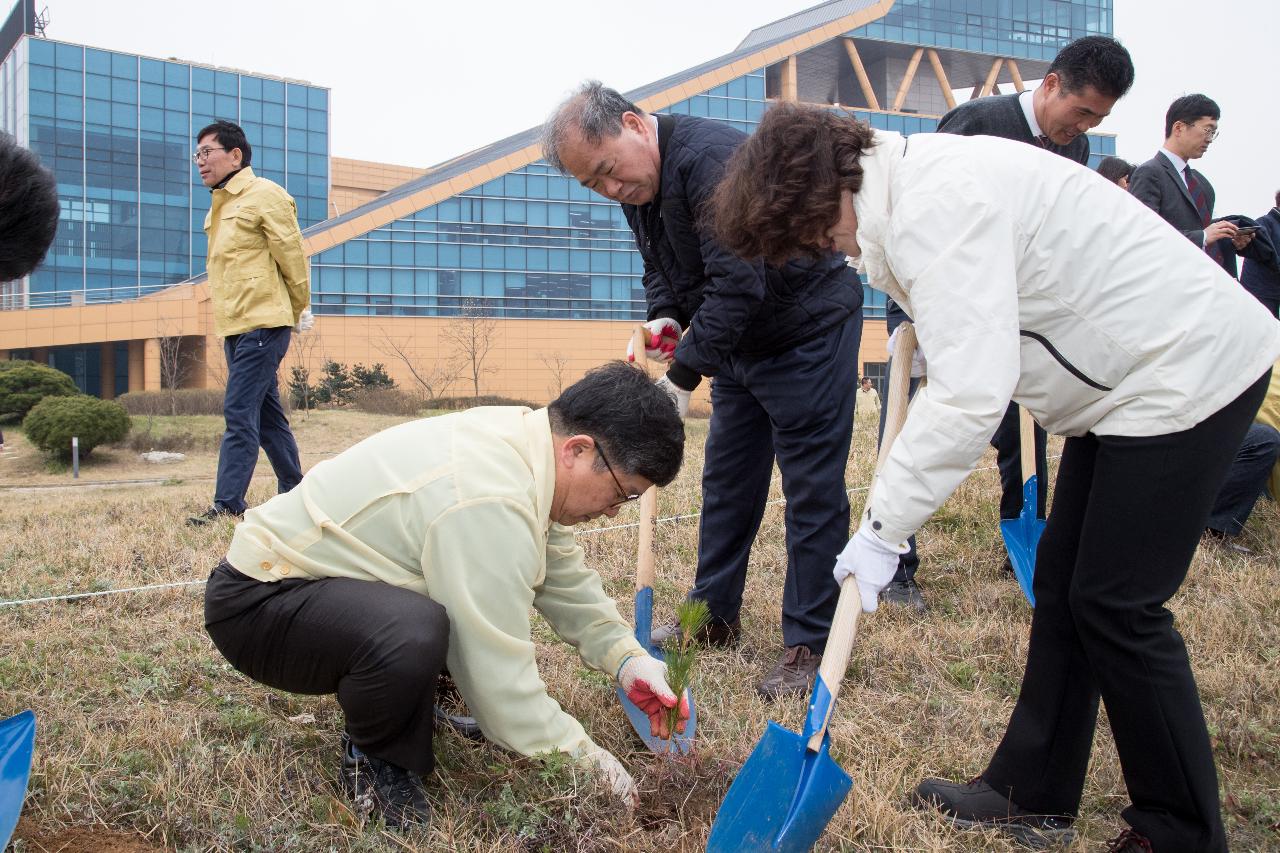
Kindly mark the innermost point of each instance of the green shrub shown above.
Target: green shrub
(11, 363)
(388, 401)
(53, 421)
(186, 401)
(457, 403)
(28, 383)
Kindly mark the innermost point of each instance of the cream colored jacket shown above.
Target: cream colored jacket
(259, 277)
(456, 508)
(1032, 278)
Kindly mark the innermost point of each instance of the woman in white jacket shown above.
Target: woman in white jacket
(1030, 278)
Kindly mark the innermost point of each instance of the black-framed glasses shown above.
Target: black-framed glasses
(203, 154)
(624, 497)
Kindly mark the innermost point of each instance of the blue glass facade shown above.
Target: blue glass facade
(116, 129)
(1030, 29)
(533, 243)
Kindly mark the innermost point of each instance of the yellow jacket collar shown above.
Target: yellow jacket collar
(239, 181)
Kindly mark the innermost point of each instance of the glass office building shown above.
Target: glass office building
(116, 129)
(532, 243)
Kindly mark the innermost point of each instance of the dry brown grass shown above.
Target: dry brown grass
(144, 727)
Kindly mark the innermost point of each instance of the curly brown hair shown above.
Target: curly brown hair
(780, 193)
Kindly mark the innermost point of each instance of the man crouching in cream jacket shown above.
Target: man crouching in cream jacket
(425, 545)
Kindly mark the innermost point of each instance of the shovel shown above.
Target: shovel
(17, 740)
(680, 742)
(790, 786)
(1022, 534)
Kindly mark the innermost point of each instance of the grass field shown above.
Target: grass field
(149, 741)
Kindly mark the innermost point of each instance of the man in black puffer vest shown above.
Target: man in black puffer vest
(780, 345)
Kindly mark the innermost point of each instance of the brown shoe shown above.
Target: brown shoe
(716, 633)
(793, 674)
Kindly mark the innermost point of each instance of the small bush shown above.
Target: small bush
(456, 403)
(146, 440)
(187, 401)
(26, 384)
(388, 401)
(52, 423)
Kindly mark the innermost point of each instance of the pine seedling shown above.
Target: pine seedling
(681, 652)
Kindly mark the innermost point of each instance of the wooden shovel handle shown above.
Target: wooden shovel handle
(649, 500)
(1027, 440)
(648, 525)
(640, 340)
(844, 625)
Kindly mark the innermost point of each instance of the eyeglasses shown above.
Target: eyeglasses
(203, 154)
(1210, 133)
(625, 498)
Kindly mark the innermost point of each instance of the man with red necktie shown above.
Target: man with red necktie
(1182, 196)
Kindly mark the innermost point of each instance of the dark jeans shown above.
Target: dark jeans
(1128, 513)
(378, 647)
(1007, 441)
(1246, 480)
(254, 417)
(797, 406)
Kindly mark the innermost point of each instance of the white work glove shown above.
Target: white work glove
(678, 395)
(872, 561)
(305, 321)
(663, 335)
(619, 780)
(644, 680)
(918, 364)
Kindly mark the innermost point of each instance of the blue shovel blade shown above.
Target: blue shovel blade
(1022, 538)
(785, 794)
(682, 742)
(17, 741)
(783, 797)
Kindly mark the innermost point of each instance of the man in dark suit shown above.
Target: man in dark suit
(1260, 278)
(1179, 194)
(1083, 83)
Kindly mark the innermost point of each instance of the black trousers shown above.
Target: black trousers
(1127, 517)
(379, 648)
(797, 405)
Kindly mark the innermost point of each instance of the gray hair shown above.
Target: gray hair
(593, 110)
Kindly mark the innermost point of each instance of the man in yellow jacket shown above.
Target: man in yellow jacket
(260, 283)
(427, 545)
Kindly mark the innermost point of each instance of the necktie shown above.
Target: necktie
(1202, 207)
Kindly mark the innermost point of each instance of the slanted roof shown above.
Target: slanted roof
(484, 164)
(803, 21)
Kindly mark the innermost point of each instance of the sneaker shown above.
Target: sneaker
(1129, 842)
(904, 594)
(716, 633)
(976, 805)
(379, 787)
(212, 515)
(794, 673)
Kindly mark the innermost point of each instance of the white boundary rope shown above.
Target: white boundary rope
(20, 602)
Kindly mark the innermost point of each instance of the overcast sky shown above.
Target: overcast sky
(415, 83)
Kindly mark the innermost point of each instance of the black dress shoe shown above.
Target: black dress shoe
(976, 805)
(381, 788)
(213, 515)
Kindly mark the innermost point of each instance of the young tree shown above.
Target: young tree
(174, 364)
(556, 362)
(301, 393)
(472, 336)
(434, 378)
